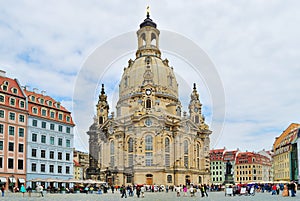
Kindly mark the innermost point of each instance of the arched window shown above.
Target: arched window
(149, 150)
(167, 145)
(169, 178)
(186, 147)
(167, 152)
(130, 145)
(198, 156)
(148, 103)
(130, 152)
(178, 111)
(149, 143)
(153, 39)
(100, 154)
(112, 154)
(143, 37)
(186, 153)
(100, 120)
(197, 119)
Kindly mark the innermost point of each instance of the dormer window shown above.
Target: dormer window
(58, 105)
(6, 83)
(14, 90)
(42, 101)
(32, 98)
(4, 87)
(50, 103)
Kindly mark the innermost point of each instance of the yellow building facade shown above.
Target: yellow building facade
(149, 140)
(282, 148)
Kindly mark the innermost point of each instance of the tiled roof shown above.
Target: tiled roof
(12, 83)
(50, 104)
(283, 139)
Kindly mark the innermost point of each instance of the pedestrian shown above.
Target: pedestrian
(138, 191)
(285, 192)
(184, 190)
(23, 189)
(178, 191)
(192, 191)
(143, 191)
(112, 189)
(2, 190)
(86, 189)
(167, 189)
(40, 189)
(274, 188)
(123, 192)
(202, 190)
(205, 190)
(293, 189)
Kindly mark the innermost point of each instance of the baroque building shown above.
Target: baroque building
(285, 154)
(13, 132)
(252, 167)
(49, 140)
(149, 140)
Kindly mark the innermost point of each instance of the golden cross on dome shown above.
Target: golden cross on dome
(148, 11)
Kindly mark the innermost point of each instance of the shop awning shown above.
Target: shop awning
(22, 181)
(13, 180)
(3, 179)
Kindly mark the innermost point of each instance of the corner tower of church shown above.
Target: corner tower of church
(149, 140)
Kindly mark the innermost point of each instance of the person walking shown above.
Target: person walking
(184, 190)
(205, 190)
(123, 192)
(293, 189)
(285, 192)
(202, 190)
(29, 190)
(143, 191)
(178, 191)
(23, 189)
(40, 189)
(138, 191)
(2, 190)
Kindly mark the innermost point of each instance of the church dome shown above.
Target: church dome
(148, 81)
(148, 71)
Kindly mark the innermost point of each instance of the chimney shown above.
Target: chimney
(2, 73)
(35, 90)
(43, 92)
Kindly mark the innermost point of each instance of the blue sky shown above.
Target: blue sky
(254, 46)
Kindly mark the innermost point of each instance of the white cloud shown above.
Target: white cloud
(254, 45)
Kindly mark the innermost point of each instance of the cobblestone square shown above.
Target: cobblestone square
(162, 196)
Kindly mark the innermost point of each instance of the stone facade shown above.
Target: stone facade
(149, 140)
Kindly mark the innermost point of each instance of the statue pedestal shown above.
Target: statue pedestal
(229, 179)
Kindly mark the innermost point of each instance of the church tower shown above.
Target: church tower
(102, 107)
(195, 108)
(149, 141)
